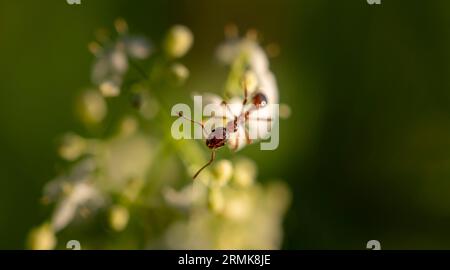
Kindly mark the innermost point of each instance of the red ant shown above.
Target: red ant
(221, 135)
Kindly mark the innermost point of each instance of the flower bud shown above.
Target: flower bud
(216, 200)
(118, 217)
(72, 147)
(222, 172)
(121, 25)
(178, 41)
(285, 111)
(91, 107)
(238, 206)
(279, 195)
(128, 126)
(180, 73)
(42, 238)
(109, 88)
(245, 171)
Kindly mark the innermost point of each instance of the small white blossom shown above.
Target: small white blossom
(80, 194)
(256, 60)
(112, 59)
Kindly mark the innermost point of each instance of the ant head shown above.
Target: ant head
(259, 100)
(217, 138)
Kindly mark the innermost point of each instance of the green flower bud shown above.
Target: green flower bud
(42, 238)
(216, 200)
(245, 171)
(72, 147)
(178, 41)
(128, 126)
(238, 206)
(121, 25)
(109, 89)
(180, 73)
(279, 196)
(132, 188)
(285, 111)
(222, 172)
(118, 217)
(91, 107)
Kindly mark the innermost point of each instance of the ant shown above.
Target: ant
(220, 136)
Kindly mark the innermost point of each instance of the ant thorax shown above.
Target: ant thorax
(234, 115)
(217, 138)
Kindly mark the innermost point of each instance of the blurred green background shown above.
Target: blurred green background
(366, 151)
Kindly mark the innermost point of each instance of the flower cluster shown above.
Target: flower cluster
(129, 188)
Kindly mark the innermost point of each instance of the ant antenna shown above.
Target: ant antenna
(180, 114)
(213, 156)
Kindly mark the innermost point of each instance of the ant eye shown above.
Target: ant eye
(213, 130)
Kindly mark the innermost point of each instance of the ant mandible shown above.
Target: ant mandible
(220, 136)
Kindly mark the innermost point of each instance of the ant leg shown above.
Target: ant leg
(244, 102)
(261, 119)
(236, 143)
(247, 137)
(224, 103)
(222, 119)
(213, 156)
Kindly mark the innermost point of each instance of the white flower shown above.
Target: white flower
(110, 87)
(137, 47)
(185, 197)
(256, 61)
(80, 194)
(124, 158)
(112, 61)
(54, 189)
